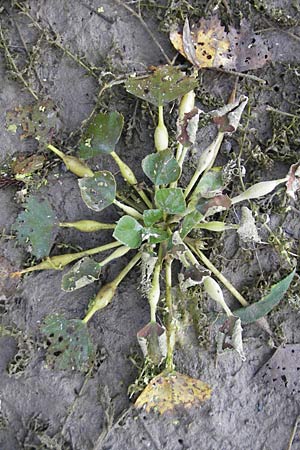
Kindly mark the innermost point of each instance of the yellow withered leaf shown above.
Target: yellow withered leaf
(168, 391)
(208, 45)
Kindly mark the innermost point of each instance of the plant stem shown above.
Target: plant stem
(206, 161)
(60, 261)
(171, 329)
(219, 275)
(88, 226)
(129, 176)
(13, 65)
(106, 293)
(154, 293)
(128, 210)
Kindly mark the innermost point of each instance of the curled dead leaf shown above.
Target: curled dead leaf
(208, 45)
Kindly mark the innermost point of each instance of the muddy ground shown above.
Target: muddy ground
(45, 409)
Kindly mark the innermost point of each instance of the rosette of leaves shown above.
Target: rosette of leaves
(155, 230)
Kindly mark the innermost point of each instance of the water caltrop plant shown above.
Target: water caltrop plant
(159, 229)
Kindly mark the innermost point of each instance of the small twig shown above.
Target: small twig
(242, 75)
(283, 113)
(55, 42)
(140, 18)
(13, 65)
(31, 64)
(293, 434)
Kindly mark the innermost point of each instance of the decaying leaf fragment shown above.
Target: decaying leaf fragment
(208, 45)
(229, 116)
(293, 181)
(247, 230)
(168, 391)
(230, 336)
(153, 342)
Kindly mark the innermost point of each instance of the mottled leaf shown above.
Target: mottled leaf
(152, 216)
(35, 225)
(170, 200)
(210, 185)
(98, 191)
(169, 391)
(84, 272)
(102, 134)
(164, 85)
(69, 344)
(259, 309)
(129, 231)
(39, 121)
(208, 45)
(161, 167)
(281, 371)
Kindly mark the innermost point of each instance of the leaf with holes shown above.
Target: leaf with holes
(259, 309)
(168, 391)
(164, 85)
(102, 135)
(98, 191)
(84, 272)
(35, 225)
(161, 167)
(39, 121)
(70, 347)
(129, 231)
(170, 200)
(208, 45)
(281, 371)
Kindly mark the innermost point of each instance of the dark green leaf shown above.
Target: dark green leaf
(70, 346)
(164, 85)
(259, 309)
(102, 134)
(84, 272)
(189, 221)
(152, 216)
(161, 167)
(35, 225)
(98, 191)
(170, 200)
(129, 231)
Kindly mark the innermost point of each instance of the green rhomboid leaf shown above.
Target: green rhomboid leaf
(164, 85)
(170, 200)
(70, 346)
(35, 225)
(161, 167)
(152, 216)
(102, 134)
(98, 191)
(129, 232)
(259, 309)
